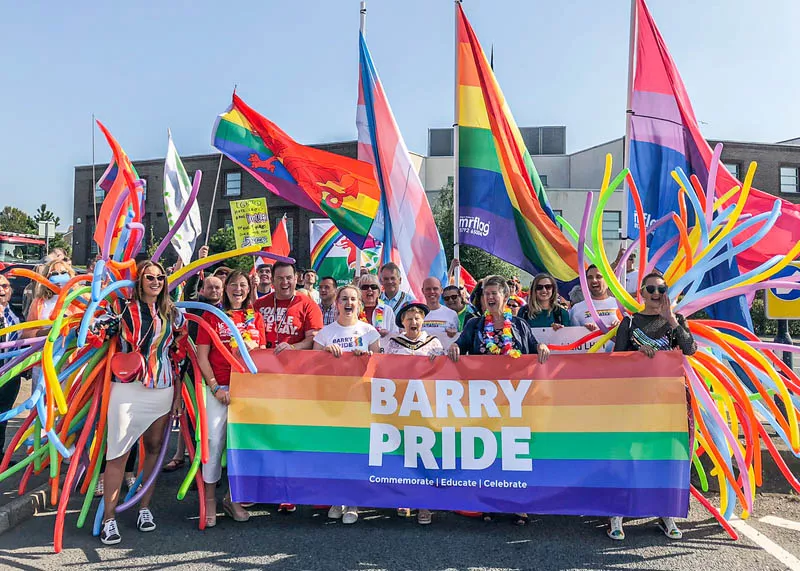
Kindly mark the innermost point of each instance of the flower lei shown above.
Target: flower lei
(377, 316)
(249, 318)
(505, 336)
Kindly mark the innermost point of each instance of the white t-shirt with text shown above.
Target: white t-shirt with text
(349, 338)
(606, 309)
(438, 321)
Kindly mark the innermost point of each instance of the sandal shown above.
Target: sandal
(615, 530)
(670, 529)
(521, 519)
(173, 465)
(211, 512)
(235, 511)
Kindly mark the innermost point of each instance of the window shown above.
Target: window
(99, 195)
(90, 226)
(227, 221)
(233, 184)
(543, 178)
(557, 213)
(144, 188)
(451, 181)
(440, 142)
(733, 168)
(612, 224)
(789, 179)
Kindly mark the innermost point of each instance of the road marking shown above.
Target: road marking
(766, 544)
(780, 522)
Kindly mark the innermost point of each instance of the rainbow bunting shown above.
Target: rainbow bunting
(503, 208)
(340, 187)
(607, 434)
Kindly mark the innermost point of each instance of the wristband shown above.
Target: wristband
(214, 390)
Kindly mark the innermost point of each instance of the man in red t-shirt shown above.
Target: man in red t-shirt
(291, 320)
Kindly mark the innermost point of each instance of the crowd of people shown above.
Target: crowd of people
(278, 308)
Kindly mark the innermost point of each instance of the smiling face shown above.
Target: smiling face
(237, 289)
(370, 290)
(151, 282)
(653, 299)
(284, 280)
(390, 280)
(452, 299)
(543, 289)
(494, 299)
(264, 276)
(597, 284)
(348, 305)
(412, 322)
(432, 290)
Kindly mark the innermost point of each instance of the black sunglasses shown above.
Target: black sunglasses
(512, 305)
(652, 288)
(152, 278)
(366, 287)
(540, 287)
(450, 297)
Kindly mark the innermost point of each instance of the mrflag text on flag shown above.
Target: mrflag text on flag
(503, 208)
(603, 434)
(409, 234)
(342, 188)
(177, 188)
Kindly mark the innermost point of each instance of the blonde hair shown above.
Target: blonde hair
(533, 301)
(42, 291)
(163, 301)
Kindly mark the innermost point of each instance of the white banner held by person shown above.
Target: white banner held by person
(563, 336)
(177, 188)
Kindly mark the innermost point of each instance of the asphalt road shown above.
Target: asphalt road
(381, 540)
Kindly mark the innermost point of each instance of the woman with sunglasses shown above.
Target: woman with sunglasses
(150, 325)
(238, 305)
(543, 309)
(515, 304)
(347, 335)
(375, 312)
(655, 328)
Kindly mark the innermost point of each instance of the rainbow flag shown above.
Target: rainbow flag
(342, 188)
(503, 208)
(601, 434)
(334, 255)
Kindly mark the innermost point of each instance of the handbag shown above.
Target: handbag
(129, 367)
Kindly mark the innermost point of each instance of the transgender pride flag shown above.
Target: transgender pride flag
(409, 230)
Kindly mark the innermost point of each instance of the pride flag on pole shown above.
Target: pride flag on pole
(409, 234)
(503, 208)
(340, 187)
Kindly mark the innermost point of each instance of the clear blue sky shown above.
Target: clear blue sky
(147, 65)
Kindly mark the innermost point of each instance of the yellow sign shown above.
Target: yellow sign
(783, 303)
(251, 222)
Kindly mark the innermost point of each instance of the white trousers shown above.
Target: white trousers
(217, 420)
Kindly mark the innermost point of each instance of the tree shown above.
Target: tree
(223, 240)
(476, 261)
(15, 220)
(44, 215)
(59, 242)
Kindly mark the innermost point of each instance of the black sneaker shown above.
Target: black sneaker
(145, 521)
(110, 533)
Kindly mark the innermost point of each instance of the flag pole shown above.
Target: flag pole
(94, 180)
(362, 26)
(626, 153)
(457, 273)
(213, 199)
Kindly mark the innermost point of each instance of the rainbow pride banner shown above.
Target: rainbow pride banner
(584, 434)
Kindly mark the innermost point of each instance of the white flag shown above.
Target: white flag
(177, 188)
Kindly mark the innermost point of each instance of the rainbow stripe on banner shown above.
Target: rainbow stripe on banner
(503, 208)
(584, 434)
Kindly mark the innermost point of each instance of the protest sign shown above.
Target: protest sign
(251, 222)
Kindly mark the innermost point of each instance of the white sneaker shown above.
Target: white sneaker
(110, 534)
(350, 514)
(145, 521)
(335, 512)
(615, 530)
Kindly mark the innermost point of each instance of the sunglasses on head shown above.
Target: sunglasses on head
(540, 287)
(151, 278)
(367, 287)
(652, 288)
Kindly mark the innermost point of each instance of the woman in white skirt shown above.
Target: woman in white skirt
(238, 305)
(148, 324)
(347, 335)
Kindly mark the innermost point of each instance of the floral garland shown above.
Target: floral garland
(249, 318)
(377, 316)
(505, 336)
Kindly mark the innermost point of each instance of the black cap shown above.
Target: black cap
(399, 317)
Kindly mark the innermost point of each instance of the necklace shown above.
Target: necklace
(506, 346)
(244, 326)
(377, 316)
